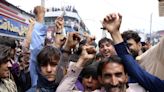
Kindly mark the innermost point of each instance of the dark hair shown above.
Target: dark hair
(130, 34)
(112, 59)
(4, 54)
(103, 40)
(47, 55)
(90, 70)
(10, 42)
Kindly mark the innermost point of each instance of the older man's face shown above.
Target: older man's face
(114, 78)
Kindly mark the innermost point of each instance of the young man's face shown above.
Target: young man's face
(113, 77)
(107, 49)
(49, 71)
(90, 83)
(4, 69)
(134, 47)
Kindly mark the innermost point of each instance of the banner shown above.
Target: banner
(12, 27)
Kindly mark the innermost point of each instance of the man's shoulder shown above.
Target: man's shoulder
(135, 87)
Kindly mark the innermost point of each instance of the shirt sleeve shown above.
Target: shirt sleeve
(37, 40)
(68, 82)
(148, 81)
(38, 36)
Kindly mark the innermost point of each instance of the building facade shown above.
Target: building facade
(72, 20)
(13, 21)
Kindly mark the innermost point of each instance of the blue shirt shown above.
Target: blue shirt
(37, 40)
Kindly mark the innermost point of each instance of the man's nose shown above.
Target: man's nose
(114, 81)
(49, 68)
(106, 48)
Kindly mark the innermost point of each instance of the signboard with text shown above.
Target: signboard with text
(12, 27)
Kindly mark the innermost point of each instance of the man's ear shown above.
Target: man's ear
(126, 78)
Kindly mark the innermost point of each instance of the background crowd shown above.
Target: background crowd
(72, 62)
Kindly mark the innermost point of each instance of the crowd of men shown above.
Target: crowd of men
(72, 63)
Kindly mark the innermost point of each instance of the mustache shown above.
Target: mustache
(109, 86)
(115, 86)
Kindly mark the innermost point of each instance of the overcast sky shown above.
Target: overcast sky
(136, 13)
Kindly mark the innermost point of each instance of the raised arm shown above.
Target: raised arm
(66, 51)
(112, 23)
(57, 34)
(68, 82)
(39, 29)
(27, 40)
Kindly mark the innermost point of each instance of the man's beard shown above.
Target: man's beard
(134, 53)
(116, 88)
